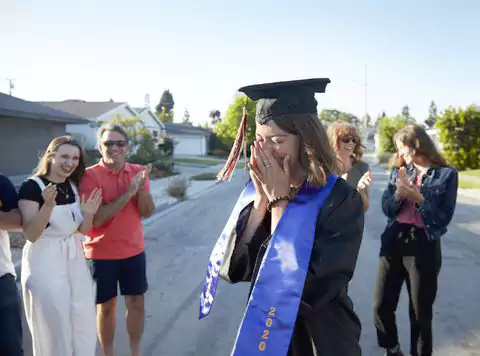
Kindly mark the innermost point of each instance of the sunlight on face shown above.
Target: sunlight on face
(347, 144)
(113, 147)
(405, 152)
(65, 161)
(279, 142)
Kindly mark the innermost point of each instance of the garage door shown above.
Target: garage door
(22, 142)
(190, 146)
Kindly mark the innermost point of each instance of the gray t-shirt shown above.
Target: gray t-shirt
(356, 172)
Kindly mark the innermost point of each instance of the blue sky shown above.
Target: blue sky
(203, 51)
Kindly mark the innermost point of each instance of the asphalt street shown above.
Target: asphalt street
(179, 242)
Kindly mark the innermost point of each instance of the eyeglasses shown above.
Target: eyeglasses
(119, 143)
(348, 139)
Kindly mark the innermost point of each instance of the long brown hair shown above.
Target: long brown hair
(43, 166)
(416, 138)
(316, 155)
(337, 130)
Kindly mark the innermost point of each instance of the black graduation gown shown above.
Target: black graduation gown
(326, 322)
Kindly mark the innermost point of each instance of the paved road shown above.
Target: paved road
(179, 244)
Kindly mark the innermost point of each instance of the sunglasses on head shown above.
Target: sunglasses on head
(348, 139)
(119, 143)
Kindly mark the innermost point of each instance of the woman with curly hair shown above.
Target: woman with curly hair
(347, 144)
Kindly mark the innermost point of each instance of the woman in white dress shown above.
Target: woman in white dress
(57, 288)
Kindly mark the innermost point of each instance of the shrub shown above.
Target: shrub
(384, 158)
(387, 127)
(178, 187)
(205, 176)
(459, 136)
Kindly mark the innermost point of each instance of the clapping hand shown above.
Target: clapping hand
(49, 195)
(91, 205)
(365, 181)
(404, 188)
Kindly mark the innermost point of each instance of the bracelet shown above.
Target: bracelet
(276, 200)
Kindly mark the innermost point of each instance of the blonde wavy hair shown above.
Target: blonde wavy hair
(337, 130)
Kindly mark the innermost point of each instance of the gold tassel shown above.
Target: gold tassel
(240, 140)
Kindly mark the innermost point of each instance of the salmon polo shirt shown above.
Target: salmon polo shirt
(121, 236)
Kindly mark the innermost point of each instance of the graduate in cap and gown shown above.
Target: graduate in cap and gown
(294, 233)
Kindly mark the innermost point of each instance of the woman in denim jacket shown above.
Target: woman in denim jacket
(419, 203)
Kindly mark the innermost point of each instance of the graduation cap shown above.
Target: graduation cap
(274, 100)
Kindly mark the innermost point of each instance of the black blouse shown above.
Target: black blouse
(326, 317)
(30, 190)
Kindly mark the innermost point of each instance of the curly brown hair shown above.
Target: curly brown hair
(337, 130)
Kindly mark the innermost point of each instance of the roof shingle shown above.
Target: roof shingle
(15, 107)
(90, 109)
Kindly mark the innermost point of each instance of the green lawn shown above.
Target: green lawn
(472, 173)
(200, 161)
(205, 176)
(466, 184)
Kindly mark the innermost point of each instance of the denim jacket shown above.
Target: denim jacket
(439, 189)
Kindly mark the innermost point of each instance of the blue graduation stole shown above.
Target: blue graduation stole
(272, 308)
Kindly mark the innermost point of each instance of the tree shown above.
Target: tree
(166, 103)
(186, 118)
(227, 129)
(214, 116)
(367, 120)
(387, 127)
(458, 133)
(432, 115)
(406, 114)
(143, 147)
(328, 116)
(166, 117)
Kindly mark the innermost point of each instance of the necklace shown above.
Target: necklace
(65, 192)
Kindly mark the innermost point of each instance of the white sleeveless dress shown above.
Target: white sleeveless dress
(57, 287)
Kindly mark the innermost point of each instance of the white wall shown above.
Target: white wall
(85, 134)
(152, 124)
(190, 145)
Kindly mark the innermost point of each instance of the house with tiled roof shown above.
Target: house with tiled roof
(26, 129)
(101, 112)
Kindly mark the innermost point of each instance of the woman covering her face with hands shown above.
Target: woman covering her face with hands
(294, 233)
(419, 203)
(57, 287)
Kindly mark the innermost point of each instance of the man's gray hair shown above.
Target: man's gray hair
(114, 128)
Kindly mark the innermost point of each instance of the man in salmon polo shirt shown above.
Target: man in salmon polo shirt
(114, 247)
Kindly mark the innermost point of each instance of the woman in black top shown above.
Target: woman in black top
(56, 284)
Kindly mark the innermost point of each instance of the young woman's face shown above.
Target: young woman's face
(65, 160)
(280, 143)
(405, 152)
(346, 145)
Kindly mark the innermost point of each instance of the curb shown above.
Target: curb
(164, 209)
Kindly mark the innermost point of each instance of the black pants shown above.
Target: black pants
(11, 343)
(417, 261)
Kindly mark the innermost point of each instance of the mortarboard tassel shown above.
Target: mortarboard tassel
(240, 140)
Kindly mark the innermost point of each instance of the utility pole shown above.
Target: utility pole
(10, 85)
(366, 100)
